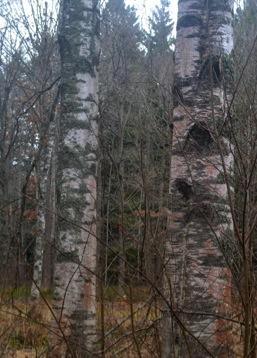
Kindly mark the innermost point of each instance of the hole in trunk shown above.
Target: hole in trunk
(184, 188)
(198, 137)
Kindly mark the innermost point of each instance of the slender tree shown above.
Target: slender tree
(119, 90)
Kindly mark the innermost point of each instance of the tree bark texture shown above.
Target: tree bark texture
(74, 278)
(202, 160)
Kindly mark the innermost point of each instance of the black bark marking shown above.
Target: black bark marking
(211, 66)
(188, 21)
(178, 95)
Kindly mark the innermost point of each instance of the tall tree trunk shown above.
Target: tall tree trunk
(47, 179)
(74, 278)
(201, 162)
(50, 228)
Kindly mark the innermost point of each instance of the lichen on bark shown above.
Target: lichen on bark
(75, 281)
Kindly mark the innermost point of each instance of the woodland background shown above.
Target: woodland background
(136, 98)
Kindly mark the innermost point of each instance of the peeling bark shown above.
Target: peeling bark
(196, 267)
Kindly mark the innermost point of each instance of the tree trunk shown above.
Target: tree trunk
(74, 278)
(201, 162)
(50, 228)
(47, 178)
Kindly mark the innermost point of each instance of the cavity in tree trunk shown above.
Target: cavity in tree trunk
(74, 278)
(201, 222)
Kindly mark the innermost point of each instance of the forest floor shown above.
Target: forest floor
(130, 325)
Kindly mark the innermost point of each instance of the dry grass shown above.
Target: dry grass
(24, 329)
(130, 335)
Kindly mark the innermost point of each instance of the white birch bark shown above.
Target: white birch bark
(198, 279)
(74, 278)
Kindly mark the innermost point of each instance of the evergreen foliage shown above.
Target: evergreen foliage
(160, 39)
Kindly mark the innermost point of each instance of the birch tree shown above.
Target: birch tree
(201, 166)
(74, 278)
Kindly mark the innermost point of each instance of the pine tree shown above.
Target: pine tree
(120, 38)
(160, 37)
